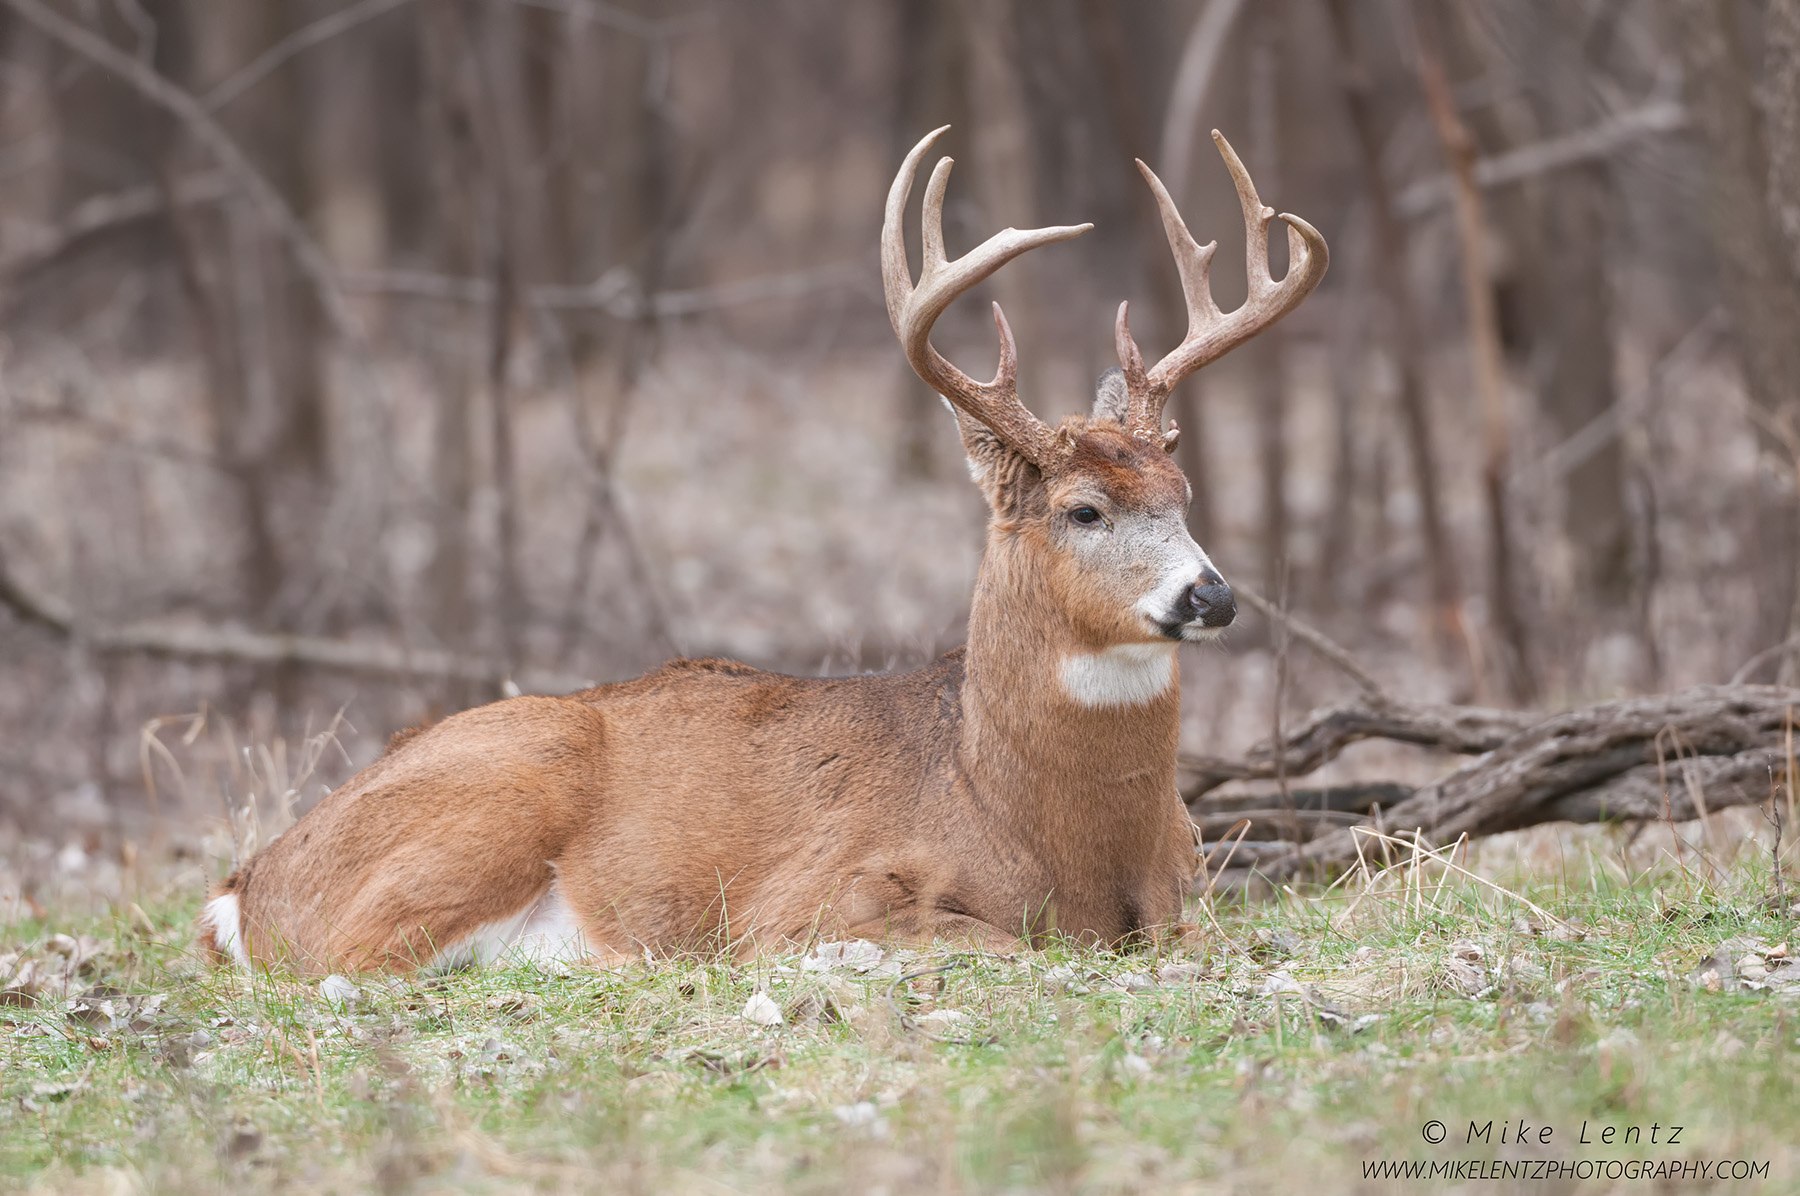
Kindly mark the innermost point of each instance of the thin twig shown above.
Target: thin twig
(1571, 454)
(1749, 667)
(1313, 638)
(910, 1023)
(1543, 157)
(321, 30)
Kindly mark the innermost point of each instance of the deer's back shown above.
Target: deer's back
(663, 801)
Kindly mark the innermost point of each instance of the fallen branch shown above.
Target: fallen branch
(1313, 638)
(1464, 730)
(1668, 757)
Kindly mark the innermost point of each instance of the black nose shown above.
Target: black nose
(1211, 602)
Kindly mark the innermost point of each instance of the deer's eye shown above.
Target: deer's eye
(1085, 515)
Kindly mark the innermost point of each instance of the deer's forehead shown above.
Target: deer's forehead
(1129, 472)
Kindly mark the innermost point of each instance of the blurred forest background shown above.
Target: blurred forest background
(367, 357)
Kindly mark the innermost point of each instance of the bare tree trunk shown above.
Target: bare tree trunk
(347, 159)
(284, 448)
(1566, 319)
(1484, 340)
(933, 89)
(1345, 358)
(1179, 133)
(448, 576)
(1760, 278)
(1156, 306)
(281, 118)
(492, 45)
(641, 213)
(1781, 91)
(1268, 357)
(1002, 144)
(232, 281)
(1403, 320)
(1579, 386)
(408, 168)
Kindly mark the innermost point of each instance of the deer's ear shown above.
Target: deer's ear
(1111, 397)
(1002, 475)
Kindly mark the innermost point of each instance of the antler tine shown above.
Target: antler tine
(1193, 261)
(1256, 220)
(1211, 333)
(914, 308)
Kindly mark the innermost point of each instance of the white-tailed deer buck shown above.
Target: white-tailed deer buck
(1021, 785)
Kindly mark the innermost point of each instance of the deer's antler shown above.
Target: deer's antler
(1211, 333)
(914, 308)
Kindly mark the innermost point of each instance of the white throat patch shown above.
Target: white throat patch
(1124, 675)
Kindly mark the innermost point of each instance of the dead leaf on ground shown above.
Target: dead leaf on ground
(855, 955)
(942, 1019)
(1279, 983)
(519, 1006)
(60, 967)
(1063, 979)
(1556, 930)
(1748, 964)
(817, 1006)
(729, 1063)
(1465, 969)
(761, 1010)
(1274, 944)
(106, 1008)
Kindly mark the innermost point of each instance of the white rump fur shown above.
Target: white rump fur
(1123, 675)
(226, 921)
(544, 932)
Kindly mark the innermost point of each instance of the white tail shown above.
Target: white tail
(1022, 785)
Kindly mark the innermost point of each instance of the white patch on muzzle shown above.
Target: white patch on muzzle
(1159, 605)
(1123, 675)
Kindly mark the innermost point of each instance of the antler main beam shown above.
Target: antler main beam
(914, 308)
(1211, 333)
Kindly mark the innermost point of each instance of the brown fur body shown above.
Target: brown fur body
(711, 805)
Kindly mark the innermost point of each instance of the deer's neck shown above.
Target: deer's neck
(1073, 742)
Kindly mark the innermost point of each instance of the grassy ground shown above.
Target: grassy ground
(1296, 1042)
